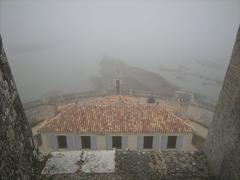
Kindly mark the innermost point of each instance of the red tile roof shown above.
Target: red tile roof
(116, 114)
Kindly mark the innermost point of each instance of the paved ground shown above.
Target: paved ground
(67, 162)
(150, 166)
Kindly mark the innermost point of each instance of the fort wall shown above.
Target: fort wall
(222, 146)
(17, 149)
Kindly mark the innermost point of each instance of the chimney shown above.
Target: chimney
(117, 86)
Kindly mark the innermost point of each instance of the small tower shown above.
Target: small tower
(117, 81)
(184, 99)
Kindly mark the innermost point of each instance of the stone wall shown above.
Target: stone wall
(198, 141)
(16, 143)
(222, 146)
(200, 115)
(39, 113)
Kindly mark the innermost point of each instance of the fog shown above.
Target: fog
(57, 45)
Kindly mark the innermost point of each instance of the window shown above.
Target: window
(117, 142)
(86, 142)
(148, 142)
(172, 141)
(62, 142)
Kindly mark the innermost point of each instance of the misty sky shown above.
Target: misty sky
(56, 45)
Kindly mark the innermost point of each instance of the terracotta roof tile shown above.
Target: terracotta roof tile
(116, 114)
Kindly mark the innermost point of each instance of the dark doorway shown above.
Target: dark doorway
(172, 141)
(148, 142)
(62, 142)
(117, 142)
(86, 142)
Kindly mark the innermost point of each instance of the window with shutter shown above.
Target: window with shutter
(148, 142)
(62, 142)
(86, 142)
(117, 142)
(172, 141)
